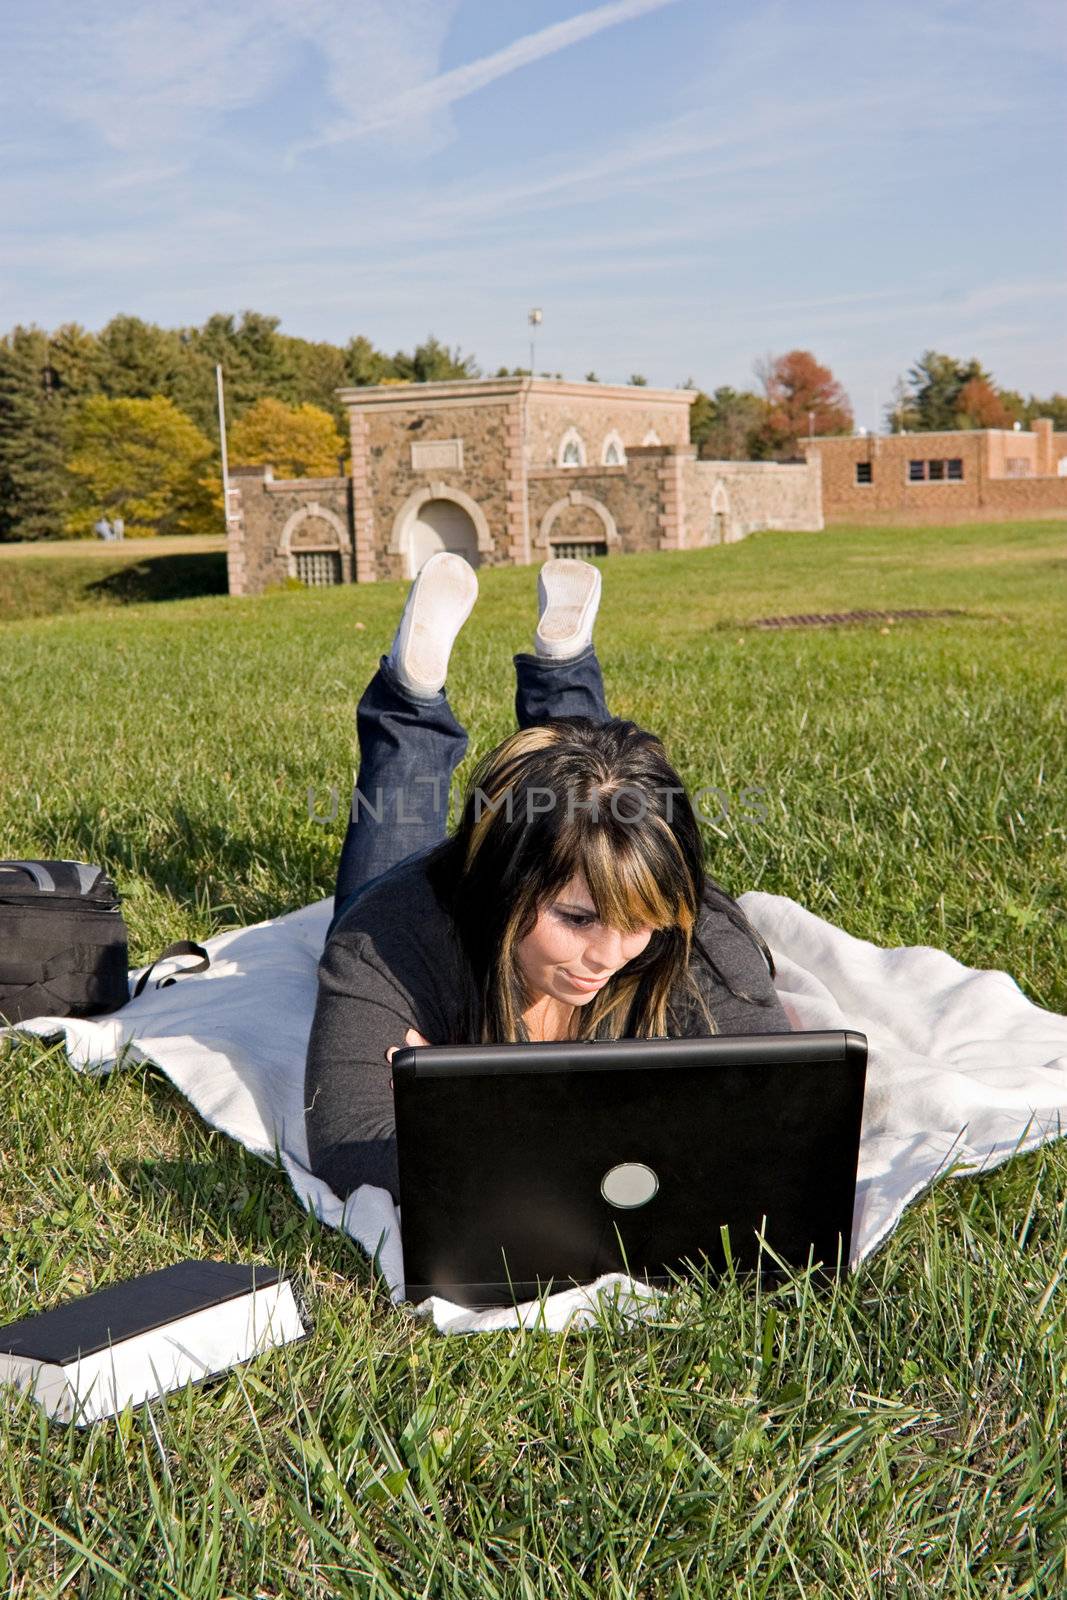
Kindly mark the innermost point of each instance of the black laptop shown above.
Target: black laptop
(530, 1168)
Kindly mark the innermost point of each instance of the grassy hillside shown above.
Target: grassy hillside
(900, 1436)
(41, 578)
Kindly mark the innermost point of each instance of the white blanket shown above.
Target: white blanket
(963, 1071)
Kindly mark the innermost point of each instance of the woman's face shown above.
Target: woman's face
(569, 954)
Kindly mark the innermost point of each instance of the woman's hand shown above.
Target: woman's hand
(411, 1037)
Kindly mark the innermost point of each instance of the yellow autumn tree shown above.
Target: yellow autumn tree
(297, 441)
(143, 461)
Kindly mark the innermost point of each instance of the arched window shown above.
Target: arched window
(614, 452)
(651, 437)
(571, 449)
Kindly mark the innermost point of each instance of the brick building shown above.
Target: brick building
(505, 471)
(976, 475)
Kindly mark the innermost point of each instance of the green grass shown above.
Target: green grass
(898, 1436)
(44, 585)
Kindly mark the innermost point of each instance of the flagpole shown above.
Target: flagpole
(222, 442)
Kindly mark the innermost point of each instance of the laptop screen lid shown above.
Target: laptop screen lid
(524, 1167)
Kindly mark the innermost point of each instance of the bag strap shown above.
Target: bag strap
(35, 870)
(181, 947)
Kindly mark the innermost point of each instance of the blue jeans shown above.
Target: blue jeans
(409, 747)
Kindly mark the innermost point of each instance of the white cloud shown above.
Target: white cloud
(157, 77)
(415, 107)
(374, 53)
(139, 79)
(769, 183)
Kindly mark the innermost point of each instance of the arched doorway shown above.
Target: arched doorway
(578, 532)
(316, 547)
(719, 528)
(441, 525)
(577, 525)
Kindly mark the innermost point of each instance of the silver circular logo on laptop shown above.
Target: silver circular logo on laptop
(628, 1185)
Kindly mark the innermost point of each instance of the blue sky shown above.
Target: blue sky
(682, 185)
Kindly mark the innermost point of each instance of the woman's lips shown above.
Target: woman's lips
(585, 983)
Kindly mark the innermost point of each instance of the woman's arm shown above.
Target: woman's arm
(361, 1011)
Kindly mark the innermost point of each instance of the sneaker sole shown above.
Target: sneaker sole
(445, 596)
(562, 618)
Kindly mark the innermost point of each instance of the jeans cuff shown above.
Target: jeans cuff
(586, 654)
(388, 672)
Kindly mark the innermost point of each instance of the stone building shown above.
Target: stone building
(982, 474)
(505, 471)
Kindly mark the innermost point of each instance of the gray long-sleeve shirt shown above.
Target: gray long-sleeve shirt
(393, 962)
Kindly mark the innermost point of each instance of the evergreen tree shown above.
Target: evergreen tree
(931, 400)
(364, 365)
(255, 364)
(433, 362)
(700, 414)
(33, 414)
(1055, 407)
(136, 360)
(194, 390)
(73, 355)
(728, 425)
(319, 371)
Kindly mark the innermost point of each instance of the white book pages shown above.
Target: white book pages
(165, 1358)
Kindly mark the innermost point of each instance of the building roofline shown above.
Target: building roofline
(925, 433)
(457, 388)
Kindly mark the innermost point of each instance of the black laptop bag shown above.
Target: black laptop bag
(63, 941)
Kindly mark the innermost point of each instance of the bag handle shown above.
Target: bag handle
(34, 869)
(181, 947)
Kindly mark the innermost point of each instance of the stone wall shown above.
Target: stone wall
(406, 454)
(473, 465)
(273, 520)
(597, 413)
(726, 500)
(664, 499)
(619, 506)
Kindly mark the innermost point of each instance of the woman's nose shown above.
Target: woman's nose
(605, 953)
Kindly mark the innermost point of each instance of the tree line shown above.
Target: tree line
(123, 422)
(797, 396)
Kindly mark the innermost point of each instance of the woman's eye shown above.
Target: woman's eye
(576, 921)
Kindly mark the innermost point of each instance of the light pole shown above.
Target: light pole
(535, 319)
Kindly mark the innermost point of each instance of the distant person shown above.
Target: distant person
(118, 528)
(103, 529)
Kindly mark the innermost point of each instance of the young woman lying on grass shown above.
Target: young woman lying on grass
(570, 902)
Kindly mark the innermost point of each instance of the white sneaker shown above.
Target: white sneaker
(568, 594)
(438, 604)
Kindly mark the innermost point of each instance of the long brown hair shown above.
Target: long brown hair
(574, 797)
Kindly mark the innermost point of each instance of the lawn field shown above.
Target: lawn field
(899, 1436)
(51, 575)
